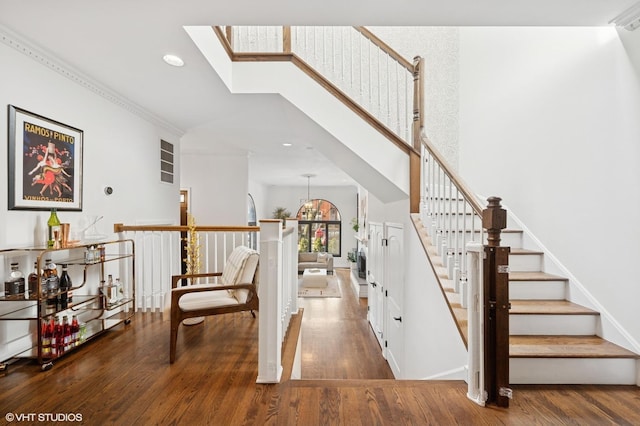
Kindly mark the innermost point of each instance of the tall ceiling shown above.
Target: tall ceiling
(119, 44)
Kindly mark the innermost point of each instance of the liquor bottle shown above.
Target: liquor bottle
(53, 225)
(46, 339)
(14, 284)
(65, 285)
(53, 285)
(32, 281)
(113, 291)
(66, 333)
(59, 332)
(75, 331)
(53, 344)
(102, 294)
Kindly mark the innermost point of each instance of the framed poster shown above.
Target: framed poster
(45, 163)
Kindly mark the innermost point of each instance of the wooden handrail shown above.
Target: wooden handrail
(462, 187)
(119, 227)
(311, 72)
(385, 48)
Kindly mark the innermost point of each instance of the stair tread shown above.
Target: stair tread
(534, 276)
(566, 347)
(522, 251)
(549, 307)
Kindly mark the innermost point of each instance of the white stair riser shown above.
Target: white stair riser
(525, 262)
(597, 371)
(557, 325)
(540, 290)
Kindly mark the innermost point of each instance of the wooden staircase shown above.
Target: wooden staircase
(552, 340)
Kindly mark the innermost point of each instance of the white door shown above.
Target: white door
(375, 270)
(393, 290)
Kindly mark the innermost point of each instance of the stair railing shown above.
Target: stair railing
(355, 61)
(451, 212)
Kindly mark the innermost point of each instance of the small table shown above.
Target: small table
(314, 277)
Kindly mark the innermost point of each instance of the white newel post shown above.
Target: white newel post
(269, 293)
(475, 309)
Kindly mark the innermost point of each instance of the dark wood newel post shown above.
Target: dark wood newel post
(496, 306)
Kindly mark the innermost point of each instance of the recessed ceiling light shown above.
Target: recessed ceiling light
(173, 60)
(286, 144)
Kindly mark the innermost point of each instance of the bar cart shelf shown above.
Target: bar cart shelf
(96, 305)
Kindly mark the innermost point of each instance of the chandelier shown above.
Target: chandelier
(307, 205)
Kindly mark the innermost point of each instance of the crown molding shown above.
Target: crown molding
(629, 19)
(14, 41)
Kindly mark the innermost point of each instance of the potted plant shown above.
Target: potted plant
(281, 213)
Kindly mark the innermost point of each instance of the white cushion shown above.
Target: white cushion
(234, 265)
(323, 257)
(206, 299)
(246, 276)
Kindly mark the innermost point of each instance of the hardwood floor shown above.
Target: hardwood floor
(125, 378)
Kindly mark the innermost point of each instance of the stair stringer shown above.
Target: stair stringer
(356, 146)
(608, 328)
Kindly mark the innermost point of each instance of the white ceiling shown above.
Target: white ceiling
(119, 44)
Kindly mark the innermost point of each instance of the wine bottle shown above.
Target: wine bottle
(75, 331)
(53, 344)
(32, 281)
(59, 332)
(66, 333)
(65, 286)
(53, 225)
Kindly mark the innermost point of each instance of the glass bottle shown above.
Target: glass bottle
(75, 331)
(14, 284)
(59, 336)
(32, 281)
(53, 344)
(52, 284)
(66, 333)
(113, 291)
(46, 339)
(53, 225)
(65, 285)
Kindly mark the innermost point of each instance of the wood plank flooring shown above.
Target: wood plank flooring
(124, 378)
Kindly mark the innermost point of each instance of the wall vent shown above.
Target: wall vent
(166, 161)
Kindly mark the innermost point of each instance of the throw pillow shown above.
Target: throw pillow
(323, 257)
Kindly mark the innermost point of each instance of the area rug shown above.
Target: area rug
(331, 290)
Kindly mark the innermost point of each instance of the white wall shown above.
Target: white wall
(218, 187)
(549, 121)
(343, 197)
(439, 48)
(120, 150)
(435, 349)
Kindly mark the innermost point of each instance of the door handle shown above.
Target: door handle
(398, 318)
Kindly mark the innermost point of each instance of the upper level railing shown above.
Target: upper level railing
(353, 63)
(160, 251)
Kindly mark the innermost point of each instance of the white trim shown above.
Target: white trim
(14, 41)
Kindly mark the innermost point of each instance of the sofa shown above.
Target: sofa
(308, 260)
